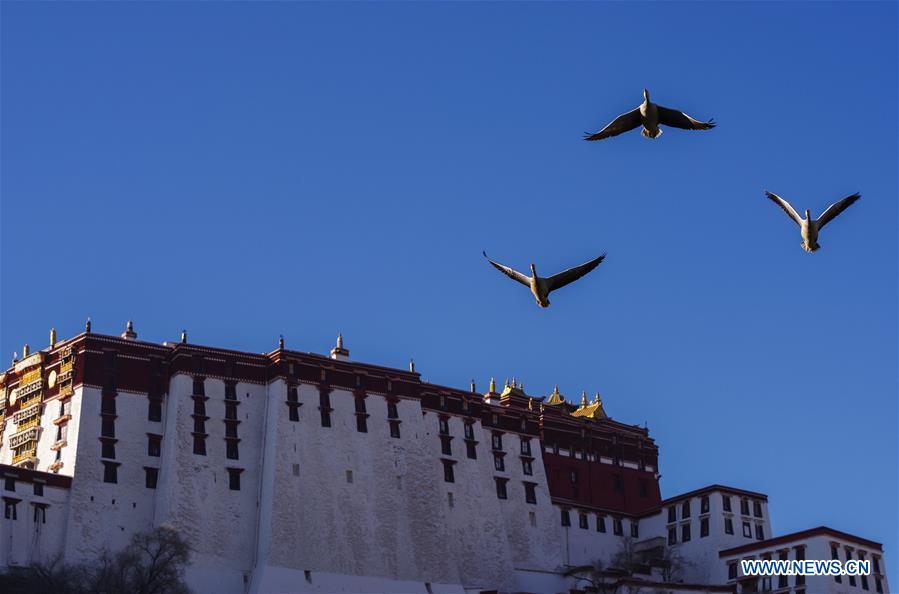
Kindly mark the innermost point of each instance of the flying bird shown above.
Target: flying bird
(541, 287)
(809, 227)
(650, 115)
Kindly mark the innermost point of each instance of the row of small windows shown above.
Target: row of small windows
(10, 511)
(686, 530)
(600, 523)
(595, 456)
(782, 580)
(9, 484)
(704, 507)
(617, 483)
(875, 566)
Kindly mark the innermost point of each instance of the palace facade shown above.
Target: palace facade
(296, 472)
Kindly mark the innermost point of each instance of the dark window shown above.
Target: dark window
(759, 532)
(471, 450)
(725, 500)
(107, 449)
(782, 579)
(703, 527)
(757, 509)
(469, 431)
(326, 418)
(293, 394)
(864, 582)
(154, 445)
(361, 424)
(747, 530)
(672, 535)
(9, 484)
(152, 475)
(9, 510)
(744, 507)
(566, 519)
(834, 554)
(234, 479)
(446, 446)
(582, 521)
(501, 489)
(444, 426)
(199, 425)
(685, 533)
(110, 473)
(231, 391)
(526, 467)
(704, 505)
(600, 523)
(617, 528)
(685, 509)
(324, 399)
(199, 445)
(40, 514)
(231, 451)
(728, 526)
(731, 571)
(498, 463)
(230, 429)
(39, 489)
(230, 411)
(879, 585)
(497, 441)
(360, 405)
(154, 412)
(395, 429)
(107, 428)
(392, 413)
(525, 447)
(293, 413)
(448, 472)
(199, 407)
(199, 387)
(672, 514)
(875, 562)
(530, 493)
(635, 529)
(107, 405)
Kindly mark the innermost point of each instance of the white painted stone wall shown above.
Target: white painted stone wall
(23, 541)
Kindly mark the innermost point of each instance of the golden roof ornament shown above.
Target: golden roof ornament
(584, 399)
(473, 387)
(15, 357)
(52, 337)
(339, 352)
(556, 397)
(25, 351)
(412, 365)
(129, 333)
(184, 337)
(492, 385)
(530, 403)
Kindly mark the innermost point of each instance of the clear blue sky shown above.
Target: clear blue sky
(244, 170)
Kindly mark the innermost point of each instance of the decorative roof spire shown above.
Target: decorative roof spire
(412, 365)
(530, 403)
(555, 397)
(597, 400)
(87, 326)
(584, 399)
(339, 352)
(25, 351)
(474, 388)
(15, 358)
(184, 337)
(129, 333)
(281, 341)
(492, 385)
(52, 337)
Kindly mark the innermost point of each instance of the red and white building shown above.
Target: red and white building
(296, 472)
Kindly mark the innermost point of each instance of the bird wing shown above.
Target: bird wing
(557, 281)
(623, 123)
(510, 272)
(786, 206)
(678, 119)
(836, 208)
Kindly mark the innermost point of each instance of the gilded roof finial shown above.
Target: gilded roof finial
(52, 337)
(87, 326)
(492, 385)
(340, 353)
(184, 337)
(281, 341)
(598, 400)
(339, 340)
(530, 404)
(412, 365)
(25, 351)
(15, 358)
(584, 399)
(473, 387)
(555, 397)
(521, 386)
(129, 333)
(514, 383)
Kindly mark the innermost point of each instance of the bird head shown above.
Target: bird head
(534, 270)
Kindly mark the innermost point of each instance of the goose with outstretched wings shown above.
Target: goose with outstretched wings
(650, 116)
(809, 227)
(540, 286)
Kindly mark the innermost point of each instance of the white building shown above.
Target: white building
(296, 472)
